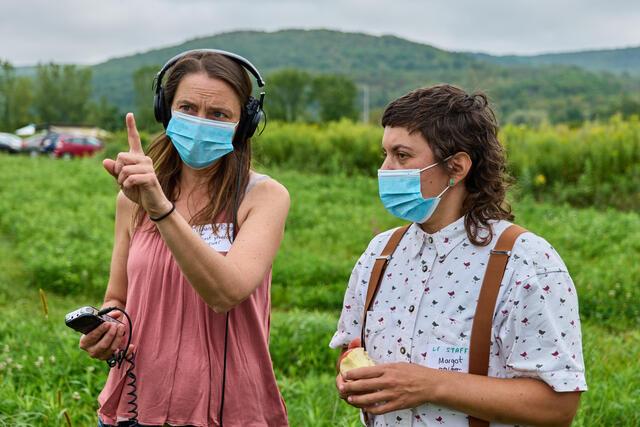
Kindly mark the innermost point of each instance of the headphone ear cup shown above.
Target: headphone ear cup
(253, 117)
(159, 110)
(156, 107)
(257, 118)
(249, 123)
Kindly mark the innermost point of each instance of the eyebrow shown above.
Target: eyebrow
(398, 147)
(215, 107)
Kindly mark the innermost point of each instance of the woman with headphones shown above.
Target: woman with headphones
(195, 236)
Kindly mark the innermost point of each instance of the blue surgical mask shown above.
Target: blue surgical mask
(200, 142)
(401, 194)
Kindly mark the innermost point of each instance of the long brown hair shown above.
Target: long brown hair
(452, 121)
(227, 177)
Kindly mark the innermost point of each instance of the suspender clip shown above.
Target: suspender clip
(496, 252)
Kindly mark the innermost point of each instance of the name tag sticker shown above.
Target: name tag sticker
(217, 241)
(447, 357)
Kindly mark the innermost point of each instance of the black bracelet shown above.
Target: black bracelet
(161, 217)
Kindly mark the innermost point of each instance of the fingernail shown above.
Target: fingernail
(341, 388)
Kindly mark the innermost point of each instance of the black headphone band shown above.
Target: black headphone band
(245, 63)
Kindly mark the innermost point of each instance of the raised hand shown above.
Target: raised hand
(135, 175)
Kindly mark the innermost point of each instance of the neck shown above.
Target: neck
(191, 179)
(449, 210)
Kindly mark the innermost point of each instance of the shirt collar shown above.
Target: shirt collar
(443, 241)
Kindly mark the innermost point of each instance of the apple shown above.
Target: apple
(355, 358)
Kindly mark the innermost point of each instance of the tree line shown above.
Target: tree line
(59, 93)
(63, 94)
(56, 94)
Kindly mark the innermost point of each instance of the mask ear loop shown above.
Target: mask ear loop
(429, 167)
(436, 164)
(445, 189)
(452, 181)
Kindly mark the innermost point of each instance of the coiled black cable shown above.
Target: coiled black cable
(118, 359)
(131, 376)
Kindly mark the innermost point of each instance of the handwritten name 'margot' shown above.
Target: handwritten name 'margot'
(450, 364)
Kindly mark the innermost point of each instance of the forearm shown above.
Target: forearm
(505, 400)
(219, 282)
(113, 302)
(116, 294)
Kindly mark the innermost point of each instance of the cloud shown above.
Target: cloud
(91, 31)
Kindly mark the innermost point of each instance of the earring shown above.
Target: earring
(451, 182)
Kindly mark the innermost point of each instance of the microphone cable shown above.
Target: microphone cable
(118, 358)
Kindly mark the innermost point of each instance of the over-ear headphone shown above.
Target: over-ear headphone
(252, 114)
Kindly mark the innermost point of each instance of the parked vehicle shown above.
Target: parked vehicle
(48, 142)
(68, 146)
(10, 142)
(35, 143)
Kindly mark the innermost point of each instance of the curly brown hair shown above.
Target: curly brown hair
(452, 121)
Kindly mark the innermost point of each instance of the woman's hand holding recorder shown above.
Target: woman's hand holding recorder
(105, 340)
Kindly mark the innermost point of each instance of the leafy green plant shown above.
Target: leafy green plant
(56, 233)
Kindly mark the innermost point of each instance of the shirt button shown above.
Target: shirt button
(403, 350)
(430, 239)
(425, 268)
(411, 308)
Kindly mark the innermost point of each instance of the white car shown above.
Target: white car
(35, 143)
(10, 142)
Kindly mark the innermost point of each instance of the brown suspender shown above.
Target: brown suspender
(480, 344)
(377, 271)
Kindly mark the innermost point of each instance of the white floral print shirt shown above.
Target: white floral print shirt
(424, 310)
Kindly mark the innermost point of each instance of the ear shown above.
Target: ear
(458, 167)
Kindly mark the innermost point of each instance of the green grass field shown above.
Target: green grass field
(56, 232)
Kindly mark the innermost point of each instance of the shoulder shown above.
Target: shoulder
(125, 211)
(123, 202)
(268, 189)
(266, 197)
(377, 244)
(364, 264)
(536, 253)
(124, 206)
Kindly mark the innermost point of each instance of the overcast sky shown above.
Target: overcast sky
(92, 31)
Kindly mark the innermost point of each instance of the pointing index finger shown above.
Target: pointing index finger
(135, 146)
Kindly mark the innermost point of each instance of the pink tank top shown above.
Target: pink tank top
(179, 344)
